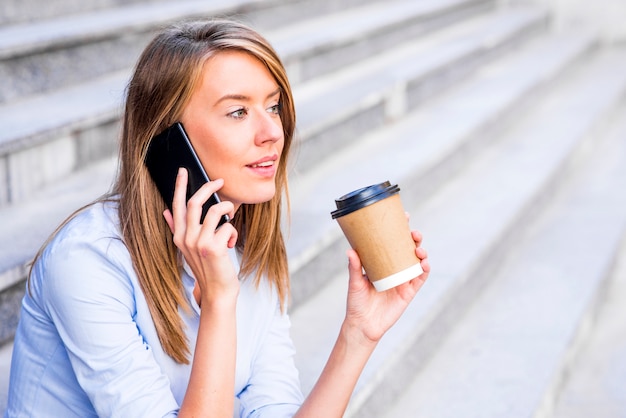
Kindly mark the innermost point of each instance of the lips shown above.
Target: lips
(264, 162)
(265, 168)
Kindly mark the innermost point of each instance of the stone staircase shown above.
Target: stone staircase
(506, 136)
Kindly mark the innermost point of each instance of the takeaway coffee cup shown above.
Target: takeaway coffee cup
(374, 222)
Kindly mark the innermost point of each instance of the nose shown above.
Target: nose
(269, 128)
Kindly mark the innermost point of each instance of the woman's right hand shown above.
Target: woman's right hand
(206, 250)
(204, 247)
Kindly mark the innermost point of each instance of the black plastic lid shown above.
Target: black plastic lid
(363, 197)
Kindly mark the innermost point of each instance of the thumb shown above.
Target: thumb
(354, 262)
(355, 268)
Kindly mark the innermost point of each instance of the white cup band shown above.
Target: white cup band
(398, 278)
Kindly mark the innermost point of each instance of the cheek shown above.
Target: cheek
(211, 161)
(219, 153)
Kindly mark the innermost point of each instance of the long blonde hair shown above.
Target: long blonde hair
(165, 76)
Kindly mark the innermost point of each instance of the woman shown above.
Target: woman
(134, 310)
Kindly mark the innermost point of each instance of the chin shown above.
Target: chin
(257, 196)
(262, 198)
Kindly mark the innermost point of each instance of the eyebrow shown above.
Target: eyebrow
(244, 97)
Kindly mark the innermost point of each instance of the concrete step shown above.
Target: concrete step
(74, 127)
(44, 56)
(5, 368)
(509, 354)
(334, 111)
(81, 122)
(419, 151)
(595, 378)
(26, 11)
(319, 46)
(18, 11)
(471, 221)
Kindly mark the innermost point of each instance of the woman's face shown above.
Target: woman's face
(233, 122)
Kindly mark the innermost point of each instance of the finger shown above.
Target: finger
(417, 237)
(233, 240)
(179, 207)
(425, 266)
(421, 253)
(169, 219)
(199, 198)
(227, 233)
(212, 243)
(418, 281)
(215, 213)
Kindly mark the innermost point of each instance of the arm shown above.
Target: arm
(369, 315)
(211, 385)
(212, 381)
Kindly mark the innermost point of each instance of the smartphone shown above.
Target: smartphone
(167, 152)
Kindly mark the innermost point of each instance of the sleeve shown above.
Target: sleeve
(274, 387)
(90, 299)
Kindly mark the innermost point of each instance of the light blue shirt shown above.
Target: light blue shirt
(86, 344)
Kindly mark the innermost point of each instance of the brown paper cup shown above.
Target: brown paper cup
(374, 222)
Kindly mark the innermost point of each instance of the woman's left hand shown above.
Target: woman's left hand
(372, 313)
(369, 315)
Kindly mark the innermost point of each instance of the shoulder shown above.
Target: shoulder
(95, 227)
(98, 218)
(85, 259)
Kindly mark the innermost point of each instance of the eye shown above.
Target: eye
(239, 113)
(274, 109)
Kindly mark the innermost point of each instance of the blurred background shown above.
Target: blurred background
(503, 122)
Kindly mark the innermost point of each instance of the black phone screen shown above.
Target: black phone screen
(167, 152)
